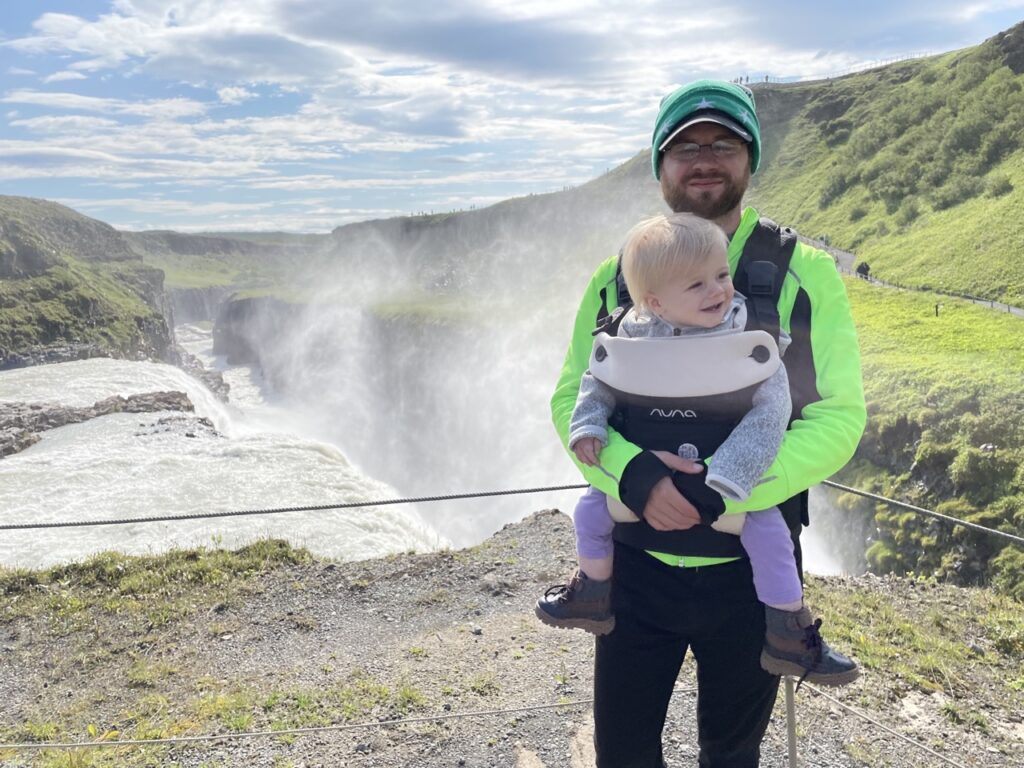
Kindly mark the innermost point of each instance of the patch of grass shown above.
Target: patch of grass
(303, 622)
(909, 639)
(160, 587)
(144, 673)
(408, 698)
(435, 597)
(961, 715)
(424, 309)
(233, 710)
(483, 685)
(91, 303)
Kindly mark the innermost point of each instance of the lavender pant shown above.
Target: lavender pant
(765, 537)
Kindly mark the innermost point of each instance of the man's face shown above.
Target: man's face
(707, 186)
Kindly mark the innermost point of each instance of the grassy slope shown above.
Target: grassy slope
(81, 283)
(919, 166)
(939, 389)
(254, 261)
(74, 301)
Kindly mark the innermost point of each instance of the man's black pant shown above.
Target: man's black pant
(660, 612)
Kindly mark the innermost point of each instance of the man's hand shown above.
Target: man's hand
(587, 450)
(667, 509)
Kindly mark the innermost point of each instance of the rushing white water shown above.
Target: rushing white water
(131, 465)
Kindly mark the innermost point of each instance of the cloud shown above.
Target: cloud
(972, 11)
(461, 34)
(65, 124)
(235, 95)
(19, 71)
(36, 159)
(142, 213)
(154, 108)
(194, 41)
(67, 74)
(163, 205)
(227, 56)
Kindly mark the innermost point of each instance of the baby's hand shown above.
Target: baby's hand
(587, 449)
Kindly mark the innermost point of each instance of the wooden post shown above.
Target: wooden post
(791, 721)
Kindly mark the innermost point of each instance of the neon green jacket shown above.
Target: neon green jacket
(821, 439)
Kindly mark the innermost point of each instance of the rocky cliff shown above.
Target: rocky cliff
(73, 288)
(246, 327)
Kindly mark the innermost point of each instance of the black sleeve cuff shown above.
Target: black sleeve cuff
(638, 478)
(709, 503)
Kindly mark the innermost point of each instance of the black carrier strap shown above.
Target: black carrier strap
(610, 324)
(759, 276)
(761, 271)
(622, 298)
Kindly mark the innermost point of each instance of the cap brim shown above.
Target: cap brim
(709, 117)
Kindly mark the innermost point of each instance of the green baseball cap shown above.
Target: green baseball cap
(707, 101)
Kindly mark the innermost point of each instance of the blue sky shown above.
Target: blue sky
(301, 115)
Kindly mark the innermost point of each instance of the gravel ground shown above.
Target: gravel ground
(455, 631)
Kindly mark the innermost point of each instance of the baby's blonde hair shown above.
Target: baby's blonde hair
(663, 247)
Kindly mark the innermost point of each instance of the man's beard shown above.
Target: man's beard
(708, 204)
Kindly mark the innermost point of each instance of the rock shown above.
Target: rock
(214, 380)
(20, 423)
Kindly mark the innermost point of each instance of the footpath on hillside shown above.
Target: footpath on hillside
(845, 261)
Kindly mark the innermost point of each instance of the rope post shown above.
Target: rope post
(791, 721)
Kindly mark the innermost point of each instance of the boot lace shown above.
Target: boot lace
(813, 644)
(562, 592)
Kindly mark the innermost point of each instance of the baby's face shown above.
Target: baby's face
(699, 297)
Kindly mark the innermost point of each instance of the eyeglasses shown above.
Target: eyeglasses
(688, 151)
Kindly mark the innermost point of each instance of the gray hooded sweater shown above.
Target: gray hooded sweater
(750, 449)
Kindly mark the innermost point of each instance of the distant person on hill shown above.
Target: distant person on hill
(680, 584)
(676, 270)
(864, 270)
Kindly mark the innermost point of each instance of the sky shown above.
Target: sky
(303, 115)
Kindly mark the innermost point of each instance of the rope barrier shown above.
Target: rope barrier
(923, 511)
(287, 732)
(885, 728)
(452, 497)
(279, 510)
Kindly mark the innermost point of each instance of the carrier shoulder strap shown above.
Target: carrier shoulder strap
(604, 320)
(762, 270)
(759, 276)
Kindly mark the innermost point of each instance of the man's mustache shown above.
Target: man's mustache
(705, 176)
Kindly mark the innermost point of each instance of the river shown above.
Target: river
(131, 466)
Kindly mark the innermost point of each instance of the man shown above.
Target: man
(674, 589)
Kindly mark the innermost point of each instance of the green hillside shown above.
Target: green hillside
(253, 261)
(918, 166)
(945, 431)
(68, 280)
